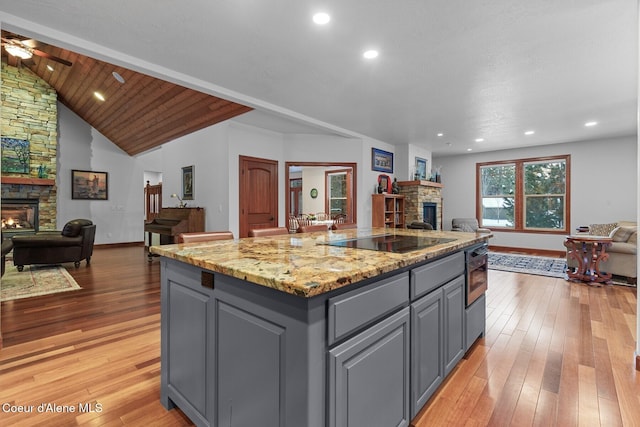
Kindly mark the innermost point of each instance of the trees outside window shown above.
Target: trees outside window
(530, 195)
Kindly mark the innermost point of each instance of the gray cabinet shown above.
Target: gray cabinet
(454, 338)
(437, 339)
(475, 319)
(369, 376)
(235, 353)
(427, 342)
(186, 348)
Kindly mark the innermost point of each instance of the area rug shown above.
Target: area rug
(35, 281)
(538, 265)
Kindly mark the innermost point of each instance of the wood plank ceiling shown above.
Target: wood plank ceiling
(140, 114)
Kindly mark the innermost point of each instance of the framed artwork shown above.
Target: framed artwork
(421, 168)
(89, 185)
(381, 161)
(384, 181)
(187, 182)
(15, 155)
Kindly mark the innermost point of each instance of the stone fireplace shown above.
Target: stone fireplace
(422, 202)
(30, 112)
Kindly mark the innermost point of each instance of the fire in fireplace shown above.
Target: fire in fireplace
(19, 216)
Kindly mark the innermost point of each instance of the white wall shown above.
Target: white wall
(118, 219)
(214, 152)
(603, 185)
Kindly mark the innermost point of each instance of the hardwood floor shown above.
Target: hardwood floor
(555, 353)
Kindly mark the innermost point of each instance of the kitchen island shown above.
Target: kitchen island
(317, 329)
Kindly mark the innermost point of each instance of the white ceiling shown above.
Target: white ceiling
(489, 69)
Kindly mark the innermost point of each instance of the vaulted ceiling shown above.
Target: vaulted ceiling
(138, 114)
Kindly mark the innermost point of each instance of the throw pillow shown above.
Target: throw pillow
(622, 234)
(602, 229)
(633, 238)
(71, 229)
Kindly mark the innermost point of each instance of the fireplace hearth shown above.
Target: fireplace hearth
(19, 216)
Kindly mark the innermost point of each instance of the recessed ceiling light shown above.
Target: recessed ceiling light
(50, 68)
(530, 132)
(370, 54)
(589, 124)
(118, 77)
(441, 134)
(98, 95)
(479, 139)
(321, 18)
(469, 149)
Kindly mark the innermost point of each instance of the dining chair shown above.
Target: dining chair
(270, 231)
(339, 219)
(322, 216)
(204, 236)
(303, 220)
(292, 222)
(311, 228)
(344, 226)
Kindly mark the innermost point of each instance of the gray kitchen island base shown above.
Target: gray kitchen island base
(369, 354)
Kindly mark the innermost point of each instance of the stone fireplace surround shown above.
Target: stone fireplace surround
(43, 190)
(416, 193)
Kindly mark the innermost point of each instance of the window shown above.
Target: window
(338, 198)
(530, 195)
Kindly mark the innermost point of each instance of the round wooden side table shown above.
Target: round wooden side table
(588, 251)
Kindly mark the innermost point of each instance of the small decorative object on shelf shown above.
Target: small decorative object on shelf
(182, 204)
(42, 171)
(395, 189)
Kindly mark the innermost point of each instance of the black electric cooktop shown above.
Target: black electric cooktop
(391, 243)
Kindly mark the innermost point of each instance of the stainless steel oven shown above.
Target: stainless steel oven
(477, 283)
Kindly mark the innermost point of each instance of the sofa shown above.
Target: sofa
(623, 251)
(73, 244)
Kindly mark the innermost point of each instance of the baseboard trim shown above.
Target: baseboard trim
(529, 251)
(119, 245)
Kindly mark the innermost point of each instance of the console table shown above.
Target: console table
(588, 251)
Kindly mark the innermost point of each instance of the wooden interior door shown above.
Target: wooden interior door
(258, 194)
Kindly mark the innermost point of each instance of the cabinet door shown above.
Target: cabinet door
(454, 337)
(250, 368)
(369, 376)
(427, 341)
(187, 309)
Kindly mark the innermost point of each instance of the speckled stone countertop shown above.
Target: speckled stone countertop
(303, 264)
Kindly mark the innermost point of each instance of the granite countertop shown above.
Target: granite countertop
(303, 264)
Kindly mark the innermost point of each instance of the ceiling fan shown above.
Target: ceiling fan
(25, 49)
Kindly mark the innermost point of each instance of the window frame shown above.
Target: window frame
(519, 196)
(348, 197)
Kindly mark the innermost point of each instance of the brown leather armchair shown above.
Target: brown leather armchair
(73, 244)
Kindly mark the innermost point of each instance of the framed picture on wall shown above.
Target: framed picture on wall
(421, 168)
(187, 182)
(381, 161)
(89, 185)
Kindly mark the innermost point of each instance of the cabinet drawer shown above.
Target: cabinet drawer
(350, 311)
(428, 277)
(475, 317)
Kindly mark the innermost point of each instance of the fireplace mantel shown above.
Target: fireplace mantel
(27, 181)
(420, 182)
